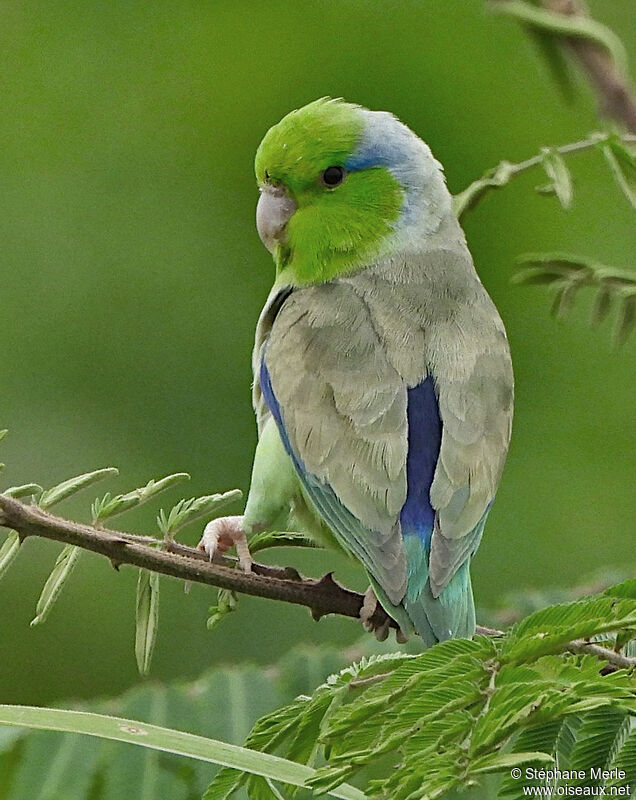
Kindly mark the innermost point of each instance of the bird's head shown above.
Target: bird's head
(341, 185)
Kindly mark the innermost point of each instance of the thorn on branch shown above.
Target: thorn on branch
(322, 596)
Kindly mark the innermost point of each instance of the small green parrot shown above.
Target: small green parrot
(383, 385)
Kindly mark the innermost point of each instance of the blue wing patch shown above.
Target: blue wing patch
(425, 438)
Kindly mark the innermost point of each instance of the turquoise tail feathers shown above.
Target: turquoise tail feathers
(449, 616)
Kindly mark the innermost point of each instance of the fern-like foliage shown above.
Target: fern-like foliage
(566, 274)
(417, 727)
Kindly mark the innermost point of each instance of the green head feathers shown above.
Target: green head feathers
(333, 228)
(322, 222)
(306, 142)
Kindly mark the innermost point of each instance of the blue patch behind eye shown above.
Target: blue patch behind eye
(373, 154)
(387, 143)
(425, 437)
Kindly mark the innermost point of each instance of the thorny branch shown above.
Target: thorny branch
(322, 596)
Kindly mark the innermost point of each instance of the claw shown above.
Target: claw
(369, 605)
(368, 609)
(225, 532)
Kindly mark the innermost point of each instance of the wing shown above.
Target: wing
(475, 396)
(437, 320)
(341, 408)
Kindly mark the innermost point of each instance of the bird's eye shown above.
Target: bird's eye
(332, 177)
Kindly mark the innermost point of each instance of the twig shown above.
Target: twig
(617, 660)
(356, 683)
(322, 596)
(501, 175)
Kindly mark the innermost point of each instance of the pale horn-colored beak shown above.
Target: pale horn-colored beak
(275, 208)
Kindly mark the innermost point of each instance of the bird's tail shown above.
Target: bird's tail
(449, 616)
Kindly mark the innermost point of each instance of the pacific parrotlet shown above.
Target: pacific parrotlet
(383, 385)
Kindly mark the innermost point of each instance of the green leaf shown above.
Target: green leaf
(56, 494)
(187, 511)
(559, 176)
(495, 178)
(499, 762)
(602, 305)
(227, 601)
(266, 736)
(559, 265)
(625, 589)
(563, 300)
(166, 740)
(623, 755)
(622, 163)
(550, 738)
(223, 704)
(552, 628)
(268, 539)
(146, 618)
(60, 573)
(26, 490)
(568, 273)
(311, 724)
(70, 764)
(9, 551)
(141, 773)
(626, 319)
(594, 742)
(262, 789)
(109, 506)
(552, 51)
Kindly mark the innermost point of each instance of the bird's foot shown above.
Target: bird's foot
(223, 533)
(369, 606)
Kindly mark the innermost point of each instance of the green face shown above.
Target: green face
(341, 217)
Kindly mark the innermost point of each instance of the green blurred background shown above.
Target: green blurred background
(132, 278)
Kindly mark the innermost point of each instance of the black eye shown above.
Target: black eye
(332, 177)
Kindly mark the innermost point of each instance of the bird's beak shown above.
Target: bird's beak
(275, 208)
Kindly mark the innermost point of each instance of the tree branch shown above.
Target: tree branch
(505, 171)
(321, 596)
(616, 94)
(597, 49)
